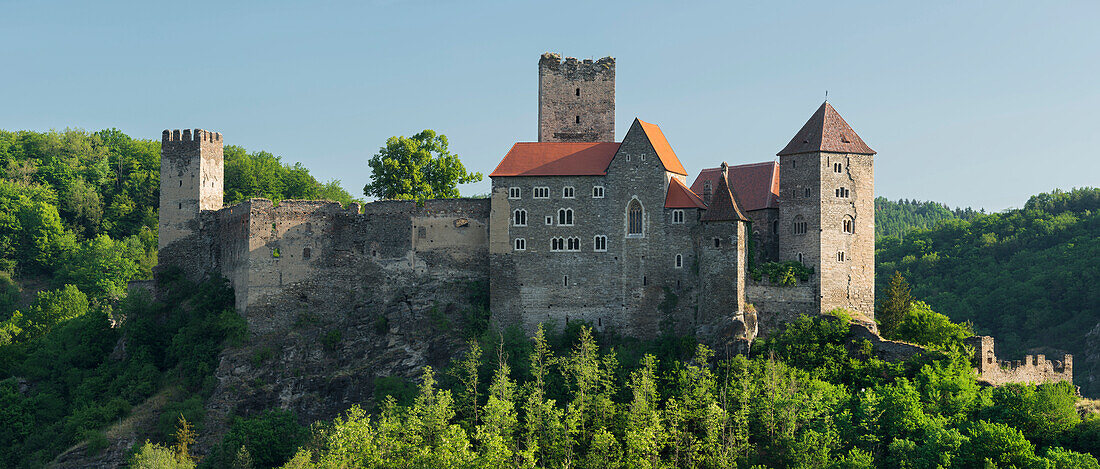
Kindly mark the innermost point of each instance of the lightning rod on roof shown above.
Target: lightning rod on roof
(826, 95)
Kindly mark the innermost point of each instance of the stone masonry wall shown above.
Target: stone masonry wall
(1033, 369)
(776, 305)
(576, 99)
(850, 283)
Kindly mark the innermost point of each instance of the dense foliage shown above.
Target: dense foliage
(417, 168)
(811, 396)
(1028, 276)
(900, 217)
(261, 174)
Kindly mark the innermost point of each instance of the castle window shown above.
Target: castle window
(800, 258)
(706, 192)
(838, 167)
(549, 220)
(578, 91)
(306, 253)
(794, 164)
(717, 242)
(799, 225)
(634, 219)
(842, 193)
(840, 256)
(599, 243)
(422, 232)
(578, 119)
(849, 225)
(808, 192)
(645, 281)
(775, 227)
(597, 192)
(679, 261)
(565, 217)
(521, 244)
(678, 216)
(573, 244)
(519, 217)
(181, 205)
(181, 183)
(567, 192)
(513, 192)
(557, 244)
(542, 193)
(565, 281)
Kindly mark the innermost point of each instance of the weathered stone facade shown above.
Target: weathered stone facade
(576, 99)
(1032, 369)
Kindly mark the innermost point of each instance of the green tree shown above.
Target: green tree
(154, 456)
(417, 168)
(896, 304)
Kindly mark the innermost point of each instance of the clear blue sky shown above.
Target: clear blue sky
(980, 104)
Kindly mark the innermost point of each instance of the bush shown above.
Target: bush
(271, 438)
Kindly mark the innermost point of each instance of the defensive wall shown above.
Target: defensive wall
(1033, 369)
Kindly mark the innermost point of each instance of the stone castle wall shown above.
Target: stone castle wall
(1033, 369)
(576, 99)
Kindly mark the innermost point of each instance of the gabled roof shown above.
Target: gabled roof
(661, 146)
(557, 159)
(679, 196)
(756, 184)
(826, 131)
(723, 205)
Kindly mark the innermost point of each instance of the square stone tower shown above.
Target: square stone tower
(190, 181)
(576, 99)
(827, 211)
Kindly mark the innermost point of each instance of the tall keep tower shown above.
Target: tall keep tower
(576, 99)
(190, 181)
(827, 210)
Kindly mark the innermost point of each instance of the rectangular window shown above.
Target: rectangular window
(567, 192)
(677, 216)
(838, 167)
(597, 192)
(807, 192)
(513, 192)
(542, 193)
(521, 244)
(599, 243)
(549, 220)
(840, 256)
(842, 193)
(717, 242)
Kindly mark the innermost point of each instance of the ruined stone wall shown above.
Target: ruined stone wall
(576, 99)
(765, 234)
(776, 304)
(1033, 369)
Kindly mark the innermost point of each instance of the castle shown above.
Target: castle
(578, 227)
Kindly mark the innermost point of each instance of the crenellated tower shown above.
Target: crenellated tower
(190, 181)
(827, 211)
(576, 99)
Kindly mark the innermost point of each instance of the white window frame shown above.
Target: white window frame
(679, 261)
(517, 214)
(541, 192)
(677, 217)
(520, 244)
(572, 244)
(597, 192)
(549, 221)
(568, 192)
(565, 217)
(596, 241)
(557, 244)
(514, 192)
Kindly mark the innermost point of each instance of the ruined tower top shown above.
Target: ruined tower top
(190, 180)
(576, 99)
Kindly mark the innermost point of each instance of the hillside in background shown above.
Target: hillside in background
(1027, 276)
(896, 218)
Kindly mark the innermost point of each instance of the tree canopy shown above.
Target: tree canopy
(417, 168)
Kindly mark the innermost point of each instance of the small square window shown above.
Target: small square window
(513, 192)
(549, 220)
(597, 192)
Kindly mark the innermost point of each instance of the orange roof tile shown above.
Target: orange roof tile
(679, 196)
(826, 131)
(756, 184)
(663, 149)
(723, 205)
(557, 159)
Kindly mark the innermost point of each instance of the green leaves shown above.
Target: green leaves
(417, 168)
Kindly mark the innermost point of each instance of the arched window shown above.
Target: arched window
(849, 224)
(565, 217)
(573, 244)
(679, 261)
(800, 258)
(634, 219)
(799, 225)
(599, 243)
(519, 217)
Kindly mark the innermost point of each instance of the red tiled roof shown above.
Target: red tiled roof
(679, 196)
(723, 204)
(756, 184)
(826, 131)
(557, 159)
(663, 149)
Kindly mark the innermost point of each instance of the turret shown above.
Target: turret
(190, 181)
(576, 99)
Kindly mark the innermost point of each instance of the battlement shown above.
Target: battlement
(188, 135)
(1032, 369)
(573, 68)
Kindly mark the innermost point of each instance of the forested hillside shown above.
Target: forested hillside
(1029, 277)
(900, 217)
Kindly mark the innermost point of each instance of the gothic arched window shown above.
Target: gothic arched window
(799, 225)
(634, 219)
